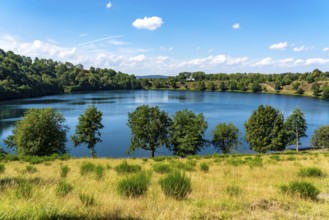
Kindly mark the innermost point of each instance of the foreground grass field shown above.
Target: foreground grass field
(234, 187)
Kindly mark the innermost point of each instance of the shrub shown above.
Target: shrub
(30, 169)
(86, 168)
(204, 167)
(302, 189)
(125, 168)
(2, 168)
(64, 171)
(176, 185)
(63, 188)
(134, 186)
(310, 172)
(162, 168)
(87, 200)
(99, 172)
(233, 190)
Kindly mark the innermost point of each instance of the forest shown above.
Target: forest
(22, 77)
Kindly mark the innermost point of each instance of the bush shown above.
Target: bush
(125, 168)
(310, 172)
(86, 168)
(302, 189)
(2, 168)
(64, 171)
(161, 168)
(204, 167)
(63, 188)
(233, 190)
(99, 172)
(31, 169)
(134, 186)
(87, 200)
(176, 185)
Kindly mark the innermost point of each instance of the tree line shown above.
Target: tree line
(22, 77)
(42, 132)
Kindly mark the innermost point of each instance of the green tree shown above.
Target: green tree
(149, 127)
(187, 133)
(325, 92)
(320, 138)
(223, 86)
(265, 130)
(87, 129)
(41, 132)
(295, 126)
(225, 137)
(316, 89)
(212, 86)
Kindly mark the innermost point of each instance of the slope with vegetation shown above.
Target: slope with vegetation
(276, 186)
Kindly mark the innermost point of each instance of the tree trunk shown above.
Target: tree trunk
(152, 154)
(92, 152)
(297, 140)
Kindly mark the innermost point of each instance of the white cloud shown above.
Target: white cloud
(138, 58)
(167, 48)
(326, 49)
(302, 48)
(117, 42)
(236, 26)
(97, 40)
(279, 46)
(264, 62)
(149, 23)
(316, 61)
(109, 5)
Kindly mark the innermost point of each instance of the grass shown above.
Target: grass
(176, 185)
(311, 172)
(226, 191)
(134, 186)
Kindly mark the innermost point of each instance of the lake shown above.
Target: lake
(217, 107)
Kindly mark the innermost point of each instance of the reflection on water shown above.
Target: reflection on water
(115, 105)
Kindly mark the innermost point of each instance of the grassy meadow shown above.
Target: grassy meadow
(223, 187)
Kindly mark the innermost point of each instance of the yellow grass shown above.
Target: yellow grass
(260, 196)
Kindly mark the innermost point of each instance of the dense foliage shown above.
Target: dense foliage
(87, 129)
(265, 130)
(295, 126)
(21, 77)
(320, 138)
(149, 127)
(41, 132)
(187, 133)
(225, 137)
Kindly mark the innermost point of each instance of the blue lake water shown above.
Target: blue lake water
(217, 107)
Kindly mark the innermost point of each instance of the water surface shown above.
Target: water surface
(217, 107)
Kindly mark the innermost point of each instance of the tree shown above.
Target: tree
(149, 127)
(320, 138)
(41, 132)
(186, 133)
(295, 126)
(87, 129)
(225, 137)
(325, 92)
(265, 130)
(316, 89)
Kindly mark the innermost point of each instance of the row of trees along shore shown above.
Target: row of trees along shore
(42, 132)
(22, 77)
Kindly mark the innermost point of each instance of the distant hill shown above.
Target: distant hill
(152, 77)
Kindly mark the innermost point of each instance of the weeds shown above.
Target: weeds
(125, 168)
(63, 188)
(176, 185)
(310, 172)
(64, 171)
(304, 190)
(30, 169)
(87, 200)
(204, 167)
(86, 168)
(161, 168)
(134, 186)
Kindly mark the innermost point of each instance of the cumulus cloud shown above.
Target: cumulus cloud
(109, 5)
(302, 48)
(279, 46)
(148, 23)
(263, 62)
(236, 26)
(326, 49)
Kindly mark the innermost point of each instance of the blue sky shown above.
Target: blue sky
(166, 37)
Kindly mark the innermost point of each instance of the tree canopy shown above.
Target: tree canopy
(41, 132)
(320, 138)
(187, 133)
(225, 137)
(87, 129)
(265, 130)
(295, 126)
(149, 127)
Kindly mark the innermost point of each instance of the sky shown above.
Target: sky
(145, 37)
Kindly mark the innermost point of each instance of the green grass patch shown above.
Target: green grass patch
(176, 185)
(311, 172)
(87, 199)
(63, 188)
(304, 190)
(233, 191)
(161, 168)
(204, 167)
(86, 168)
(31, 169)
(125, 168)
(2, 168)
(135, 185)
(99, 172)
(64, 170)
